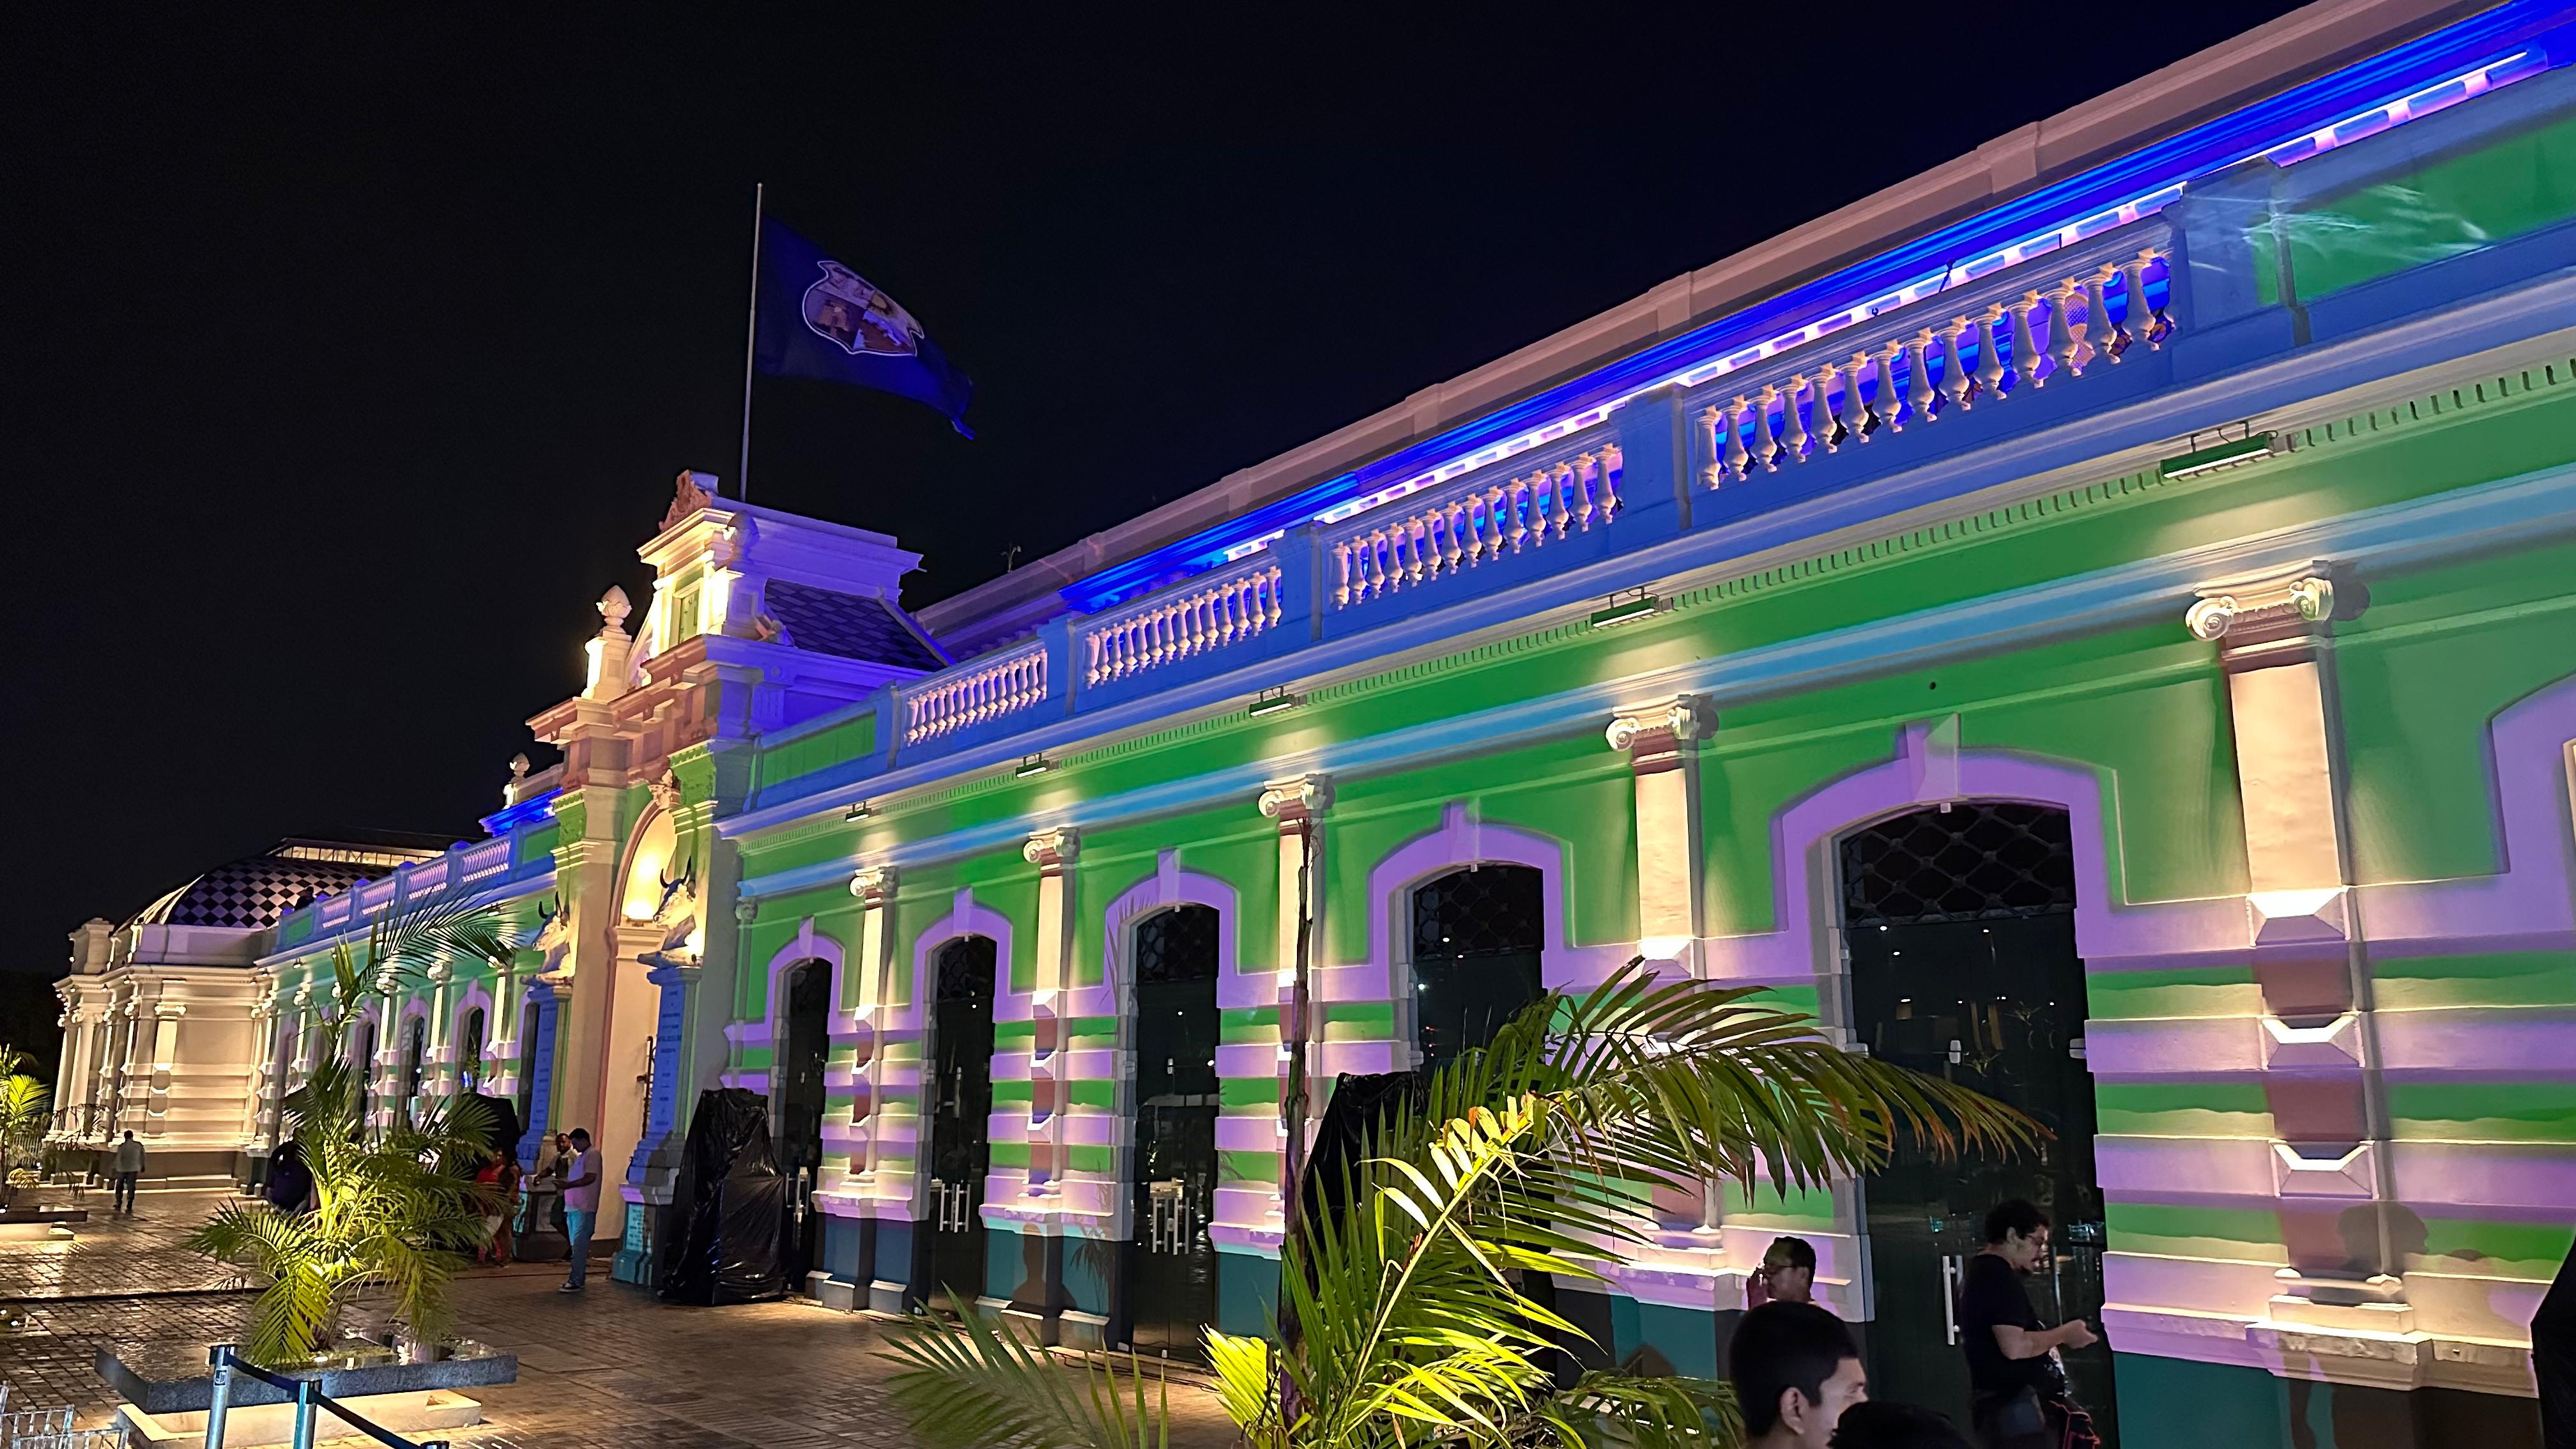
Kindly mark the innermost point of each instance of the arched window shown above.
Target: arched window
(469, 1057)
(1477, 934)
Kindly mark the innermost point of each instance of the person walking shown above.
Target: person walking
(1795, 1370)
(128, 1167)
(581, 1207)
(2017, 1386)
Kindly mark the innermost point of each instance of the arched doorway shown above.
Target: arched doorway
(961, 1113)
(1170, 1278)
(363, 1062)
(1959, 936)
(469, 1056)
(1477, 935)
(415, 1051)
(807, 1046)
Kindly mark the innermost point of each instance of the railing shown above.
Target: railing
(489, 858)
(2046, 321)
(309, 1402)
(50, 1428)
(973, 693)
(1204, 615)
(1459, 528)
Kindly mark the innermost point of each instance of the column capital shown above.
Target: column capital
(873, 885)
(169, 1010)
(1656, 727)
(439, 973)
(1294, 803)
(2260, 607)
(1051, 850)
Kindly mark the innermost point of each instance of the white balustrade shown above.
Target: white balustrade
(974, 692)
(489, 858)
(2053, 321)
(1422, 537)
(1202, 617)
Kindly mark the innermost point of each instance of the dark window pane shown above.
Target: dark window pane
(1177, 945)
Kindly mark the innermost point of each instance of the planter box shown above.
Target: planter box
(410, 1414)
(36, 1225)
(167, 1378)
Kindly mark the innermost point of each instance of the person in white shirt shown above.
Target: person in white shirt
(581, 1206)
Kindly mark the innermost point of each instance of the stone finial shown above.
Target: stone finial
(518, 768)
(613, 608)
(690, 493)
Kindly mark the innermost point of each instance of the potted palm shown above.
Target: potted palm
(26, 1109)
(1405, 1317)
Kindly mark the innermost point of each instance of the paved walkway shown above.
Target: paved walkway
(612, 1368)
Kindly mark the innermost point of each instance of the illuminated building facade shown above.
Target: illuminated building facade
(2092, 620)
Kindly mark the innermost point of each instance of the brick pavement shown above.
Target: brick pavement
(611, 1367)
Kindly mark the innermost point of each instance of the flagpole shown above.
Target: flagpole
(750, 342)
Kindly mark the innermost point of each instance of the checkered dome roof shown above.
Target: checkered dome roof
(251, 894)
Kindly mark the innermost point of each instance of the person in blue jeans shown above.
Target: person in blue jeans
(581, 1206)
(128, 1167)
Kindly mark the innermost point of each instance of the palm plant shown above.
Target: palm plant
(1406, 1313)
(26, 1110)
(393, 1207)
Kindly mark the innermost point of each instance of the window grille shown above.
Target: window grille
(965, 968)
(1975, 861)
(1177, 945)
(1483, 910)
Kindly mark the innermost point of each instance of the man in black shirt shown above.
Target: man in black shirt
(2018, 1386)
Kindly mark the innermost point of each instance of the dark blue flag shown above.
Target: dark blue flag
(821, 320)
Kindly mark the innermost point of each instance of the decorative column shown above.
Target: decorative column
(114, 1065)
(655, 1164)
(1658, 745)
(438, 1049)
(263, 1064)
(2320, 1046)
(166, 1016)
(879, 1019)
(300, 1068)
(74, 1072)
(501, 1040)
(1298, 806)
(548, 994)
(1052, 853)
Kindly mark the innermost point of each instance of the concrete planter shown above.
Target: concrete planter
(167, 1378)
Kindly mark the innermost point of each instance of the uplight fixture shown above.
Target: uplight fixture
(1271, 701)
(860, 811)
(1033, 765)
(2252, 448)
(1636, 605)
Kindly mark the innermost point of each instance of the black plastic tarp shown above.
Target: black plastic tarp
(720, 1235)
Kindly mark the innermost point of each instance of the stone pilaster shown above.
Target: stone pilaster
(1259, 1215)
(1658, 743)
(2320, 1049)
(439, 1068)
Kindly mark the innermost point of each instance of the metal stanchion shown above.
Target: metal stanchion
(304, 1391)
(221, 1357)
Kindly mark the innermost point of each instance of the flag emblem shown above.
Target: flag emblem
(845, 311)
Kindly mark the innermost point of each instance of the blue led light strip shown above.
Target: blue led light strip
(2419, 78)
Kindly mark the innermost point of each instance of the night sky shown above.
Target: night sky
(347, 361)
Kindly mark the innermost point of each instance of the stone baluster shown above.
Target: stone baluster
(2063, 357)
(1990, 352)
(2135, 324)
(1918, 377)
(1858, 421)
(1822, 418)
(2097, 319)
(1739, 459)
(1611, 502)
(1794, 440)
(1712, 471)
(1515, 493)
(1560, 483)
(1956, 385)
(2025, 350)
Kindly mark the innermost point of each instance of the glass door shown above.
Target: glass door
(961, 1112)
(1960, 937)
(800, 1087)
(1171, 1258)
